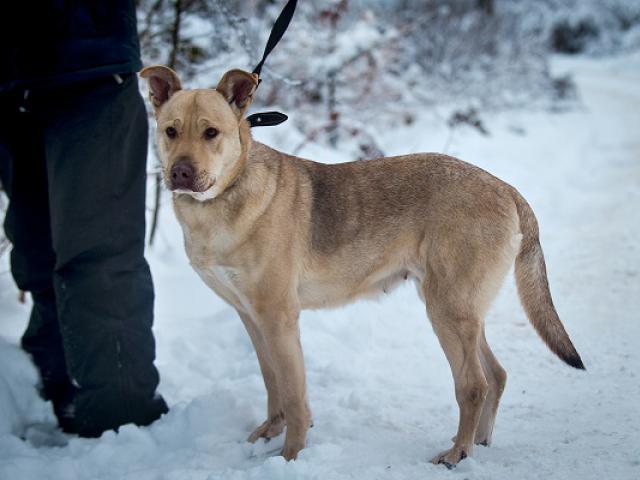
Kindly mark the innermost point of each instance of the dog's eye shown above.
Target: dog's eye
(171, 132)
(210, 133)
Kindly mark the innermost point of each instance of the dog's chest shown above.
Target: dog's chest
(205, 258)
(223, 280)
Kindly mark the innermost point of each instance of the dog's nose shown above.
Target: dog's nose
(182, 175)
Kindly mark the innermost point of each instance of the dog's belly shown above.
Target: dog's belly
(321, 291)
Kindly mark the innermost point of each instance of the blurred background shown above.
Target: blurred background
(345, 65)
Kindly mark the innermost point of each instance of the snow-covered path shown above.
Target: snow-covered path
(379, 385)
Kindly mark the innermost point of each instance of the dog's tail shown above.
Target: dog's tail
(533, 288)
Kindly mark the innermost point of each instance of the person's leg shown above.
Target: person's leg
(24, 179)
(96, 146)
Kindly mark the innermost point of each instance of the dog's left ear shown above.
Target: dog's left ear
(237, 87)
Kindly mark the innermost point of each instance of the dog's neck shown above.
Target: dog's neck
(246, 141)
(235, 175)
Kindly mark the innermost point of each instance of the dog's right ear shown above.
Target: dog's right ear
(163, 83)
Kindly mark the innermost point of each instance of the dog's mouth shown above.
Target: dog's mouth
(200, 194)
(195, 189)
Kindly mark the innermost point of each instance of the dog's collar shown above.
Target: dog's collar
(266, 119)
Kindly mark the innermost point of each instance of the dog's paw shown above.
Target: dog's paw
(291, 450)
(269, 429)
(450, 458)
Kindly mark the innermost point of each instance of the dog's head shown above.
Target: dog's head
(202, 134)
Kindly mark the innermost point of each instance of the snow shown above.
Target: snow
(379, 385)
(360, 38)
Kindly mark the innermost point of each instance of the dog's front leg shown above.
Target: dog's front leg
(281, 334)
(274, 424)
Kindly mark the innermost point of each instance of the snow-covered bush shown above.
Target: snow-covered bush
(569, 37)
(599, 27)
(348, 68)
(466, 56)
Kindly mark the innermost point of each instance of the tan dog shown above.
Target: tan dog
(273, 234)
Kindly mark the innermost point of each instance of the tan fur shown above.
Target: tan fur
(273, 234)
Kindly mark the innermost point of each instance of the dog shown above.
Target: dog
(273, 234)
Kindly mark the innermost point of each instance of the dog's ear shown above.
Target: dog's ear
(163, 83)
(237, 87)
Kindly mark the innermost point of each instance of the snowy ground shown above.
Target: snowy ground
(379, 385)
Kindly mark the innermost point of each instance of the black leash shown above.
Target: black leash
(282, 22)
(266, 119)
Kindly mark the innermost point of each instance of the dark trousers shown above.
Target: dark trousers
(72, 161)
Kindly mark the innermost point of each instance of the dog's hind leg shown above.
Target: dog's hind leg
(496, 379)
(275, 422)
(458, 332)
(462, 278)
